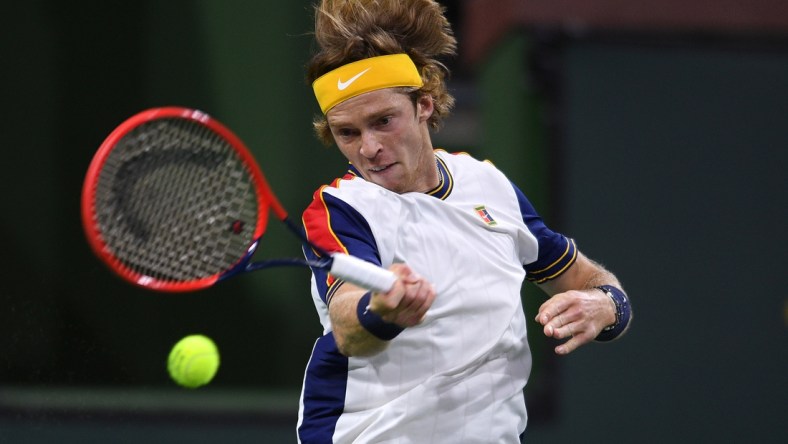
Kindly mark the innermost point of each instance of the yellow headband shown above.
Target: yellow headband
(353, 79)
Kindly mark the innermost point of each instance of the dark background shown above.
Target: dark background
(659, 146)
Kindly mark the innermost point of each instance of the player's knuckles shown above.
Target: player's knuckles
(400, 269)
(410, 321)
(392, 319)
(410, 302)
(385, 306)
(417, 296)
(404, 319)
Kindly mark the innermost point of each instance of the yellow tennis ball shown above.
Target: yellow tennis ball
(193, 361)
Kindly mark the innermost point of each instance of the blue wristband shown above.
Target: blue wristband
(374, 323)
(623, 314)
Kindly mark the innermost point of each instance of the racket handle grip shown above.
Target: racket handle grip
(362, 273)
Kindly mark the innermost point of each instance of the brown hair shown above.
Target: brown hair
(351, 30)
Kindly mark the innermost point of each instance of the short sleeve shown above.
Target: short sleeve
(335, 226)
(556, 251)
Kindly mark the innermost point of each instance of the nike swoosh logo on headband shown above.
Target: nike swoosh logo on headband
(343, 85)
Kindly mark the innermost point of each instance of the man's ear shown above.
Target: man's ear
(424, 107)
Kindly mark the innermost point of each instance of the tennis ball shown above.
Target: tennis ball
(193, 361)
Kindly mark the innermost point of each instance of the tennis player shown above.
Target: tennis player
(443, 357)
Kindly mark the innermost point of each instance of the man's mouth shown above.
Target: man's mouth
(380, 168)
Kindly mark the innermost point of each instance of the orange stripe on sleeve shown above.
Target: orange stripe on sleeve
(317, 223)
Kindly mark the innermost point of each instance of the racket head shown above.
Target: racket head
(173, 200)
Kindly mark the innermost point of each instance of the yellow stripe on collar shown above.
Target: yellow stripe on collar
(353, 79)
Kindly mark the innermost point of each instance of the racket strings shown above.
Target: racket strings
(175, 201)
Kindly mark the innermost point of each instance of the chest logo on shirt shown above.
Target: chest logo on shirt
(485, 215)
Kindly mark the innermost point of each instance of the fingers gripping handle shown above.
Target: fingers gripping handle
(362, 273)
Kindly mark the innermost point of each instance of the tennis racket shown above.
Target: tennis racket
(174, 201)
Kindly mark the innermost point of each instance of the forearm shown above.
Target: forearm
(585, 274)
(351, 337)
(599, 275)
(363, 322)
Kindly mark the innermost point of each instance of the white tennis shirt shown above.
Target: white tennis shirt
(459, 376)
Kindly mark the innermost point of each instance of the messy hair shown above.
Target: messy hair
(350, 30)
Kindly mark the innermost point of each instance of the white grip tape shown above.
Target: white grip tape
(362, 273)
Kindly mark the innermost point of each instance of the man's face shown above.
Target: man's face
(388, 141)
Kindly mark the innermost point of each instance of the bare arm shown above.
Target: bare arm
(404, 305)
(575, 309)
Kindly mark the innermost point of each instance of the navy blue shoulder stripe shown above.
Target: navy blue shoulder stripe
(556, 252)
(354, 234)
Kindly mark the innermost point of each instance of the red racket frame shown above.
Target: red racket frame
(265, 196)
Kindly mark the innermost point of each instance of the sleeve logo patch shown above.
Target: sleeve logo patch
(485, 215)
